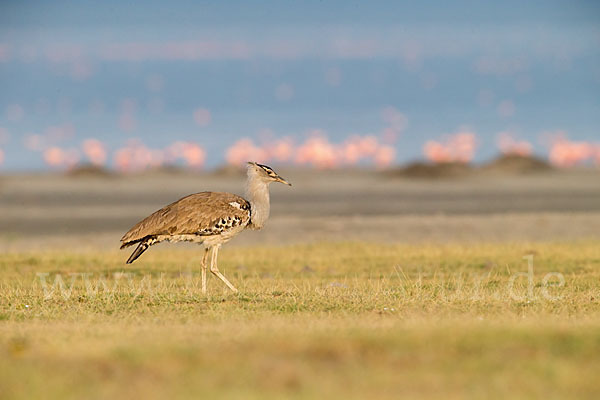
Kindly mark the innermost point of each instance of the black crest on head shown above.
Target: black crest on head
(266, 168)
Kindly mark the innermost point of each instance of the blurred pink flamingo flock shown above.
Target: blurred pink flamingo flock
(316, 150)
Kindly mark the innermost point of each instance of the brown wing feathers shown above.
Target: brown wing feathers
(206, 213)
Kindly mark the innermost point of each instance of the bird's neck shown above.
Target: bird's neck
(257, 192)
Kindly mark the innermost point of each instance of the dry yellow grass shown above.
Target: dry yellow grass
(335, 319)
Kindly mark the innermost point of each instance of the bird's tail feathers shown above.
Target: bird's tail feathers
(138, 252)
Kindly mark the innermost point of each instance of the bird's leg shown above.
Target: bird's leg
(215, 270)
(204, 268)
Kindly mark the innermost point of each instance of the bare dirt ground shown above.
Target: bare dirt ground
(38, 211)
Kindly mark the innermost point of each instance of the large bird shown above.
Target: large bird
(208, 218)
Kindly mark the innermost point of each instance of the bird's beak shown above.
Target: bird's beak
(280, 179)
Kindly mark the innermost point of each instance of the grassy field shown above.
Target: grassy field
(334, 319)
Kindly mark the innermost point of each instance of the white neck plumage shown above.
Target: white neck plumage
(257, 193)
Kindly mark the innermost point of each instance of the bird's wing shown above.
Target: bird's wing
(206, 214)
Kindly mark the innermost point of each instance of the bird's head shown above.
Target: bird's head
(265, 173)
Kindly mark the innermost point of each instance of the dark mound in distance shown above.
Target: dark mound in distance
(515, 164)
(89, 171)
(434, 171)
(229, 170)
